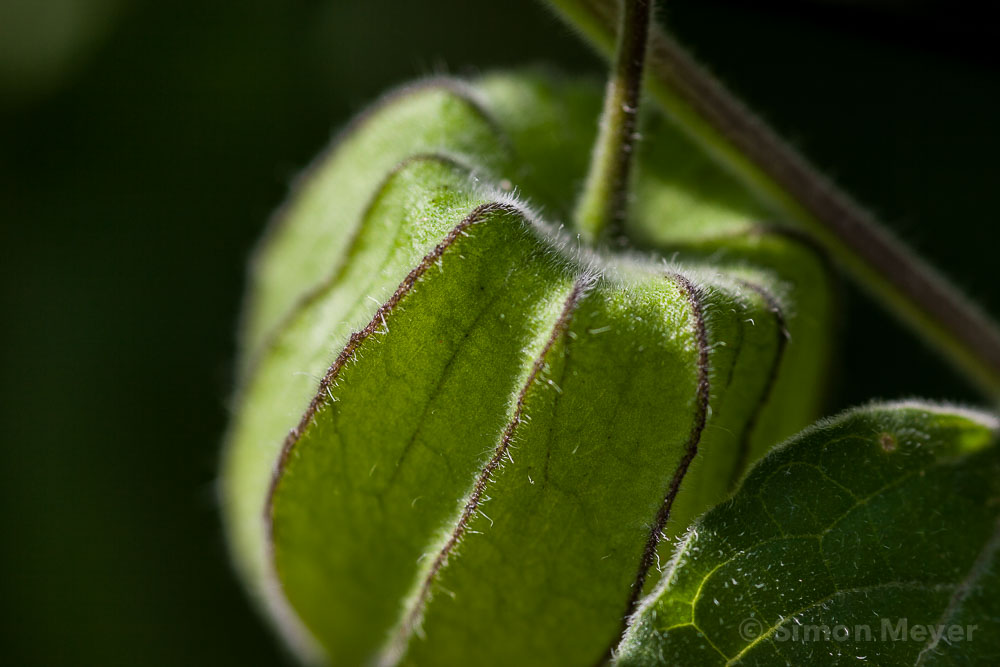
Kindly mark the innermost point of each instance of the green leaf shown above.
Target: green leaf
(505, 424)
(861, 540)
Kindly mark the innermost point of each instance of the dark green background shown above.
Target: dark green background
(137, 170)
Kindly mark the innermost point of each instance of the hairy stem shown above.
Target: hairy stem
(905, 284)
(603, 204)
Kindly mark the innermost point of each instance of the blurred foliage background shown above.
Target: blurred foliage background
(142, 147)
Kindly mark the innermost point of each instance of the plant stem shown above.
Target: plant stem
(603, 204)
(905, 284)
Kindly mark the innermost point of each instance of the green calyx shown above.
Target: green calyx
(454, 418)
